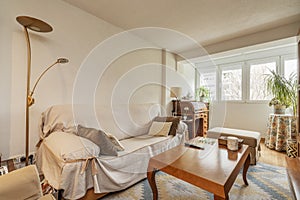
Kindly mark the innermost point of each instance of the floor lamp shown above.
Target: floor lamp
(38, 26)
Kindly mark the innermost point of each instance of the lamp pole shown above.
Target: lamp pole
(39, 26)
(27, 93)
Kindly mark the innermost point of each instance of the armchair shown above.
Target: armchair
(22, 183)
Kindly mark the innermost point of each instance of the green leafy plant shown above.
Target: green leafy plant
(284, 90)
(203, 93)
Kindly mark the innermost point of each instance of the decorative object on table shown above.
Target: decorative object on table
(284, 91)
(203, 94)
(38, 26)
(201, 142)
(292, 148)
(232, 143)
(186, 110)
(188, 96)
(223, 141)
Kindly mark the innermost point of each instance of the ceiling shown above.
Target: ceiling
(206, 21)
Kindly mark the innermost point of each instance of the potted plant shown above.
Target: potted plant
(203, 94)
(284, 92)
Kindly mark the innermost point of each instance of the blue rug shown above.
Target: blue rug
(266, 182)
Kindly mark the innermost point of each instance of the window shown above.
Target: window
(239, 75)
(258, 89)
(231, 79)
(208, 79)
(290, 67)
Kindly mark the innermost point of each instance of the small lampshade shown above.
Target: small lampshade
(175, 92)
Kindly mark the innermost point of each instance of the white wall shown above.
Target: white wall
(247, 116)
(133, 78)
(75, 34)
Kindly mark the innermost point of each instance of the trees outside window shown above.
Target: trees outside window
(258, 88)
(231, 84)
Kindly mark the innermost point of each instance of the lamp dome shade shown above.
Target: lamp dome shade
(34, 24)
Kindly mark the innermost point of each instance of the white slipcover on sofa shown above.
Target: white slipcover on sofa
(72, 163)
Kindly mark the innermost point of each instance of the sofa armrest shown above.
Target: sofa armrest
(68, 146)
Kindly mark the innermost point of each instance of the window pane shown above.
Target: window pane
(208, 80)
(290, 66)
(258, 87)
(232, 84)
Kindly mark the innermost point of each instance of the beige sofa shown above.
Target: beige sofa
(22, 183)
(72, 164)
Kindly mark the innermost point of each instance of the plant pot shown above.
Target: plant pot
(279, 109)
(203, 99)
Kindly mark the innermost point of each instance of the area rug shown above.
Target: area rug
(266, 182)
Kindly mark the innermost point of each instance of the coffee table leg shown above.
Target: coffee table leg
(220, 198)
(245, 169)
(152, 183)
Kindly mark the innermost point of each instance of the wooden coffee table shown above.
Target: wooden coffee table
(213, 169)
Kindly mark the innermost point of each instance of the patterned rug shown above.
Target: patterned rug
(266, 182)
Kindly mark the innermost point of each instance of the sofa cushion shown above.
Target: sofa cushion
(160, 128)
(115, 141)
(98, 137)
(175, 121)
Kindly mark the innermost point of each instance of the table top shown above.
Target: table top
(214, 167)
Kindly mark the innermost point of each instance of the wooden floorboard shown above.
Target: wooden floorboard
(272, 157)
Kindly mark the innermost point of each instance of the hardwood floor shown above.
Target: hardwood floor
(272, 157)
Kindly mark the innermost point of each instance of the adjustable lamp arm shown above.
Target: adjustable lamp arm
(30, 99)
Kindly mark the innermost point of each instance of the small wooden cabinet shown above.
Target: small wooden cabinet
(195, 114)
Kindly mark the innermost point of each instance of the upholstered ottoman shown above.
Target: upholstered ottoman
(251, 138)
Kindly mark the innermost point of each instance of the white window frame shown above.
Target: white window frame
(229, 66)
(209, 70)
(256, 62)
(286, 57)
(277, 51)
